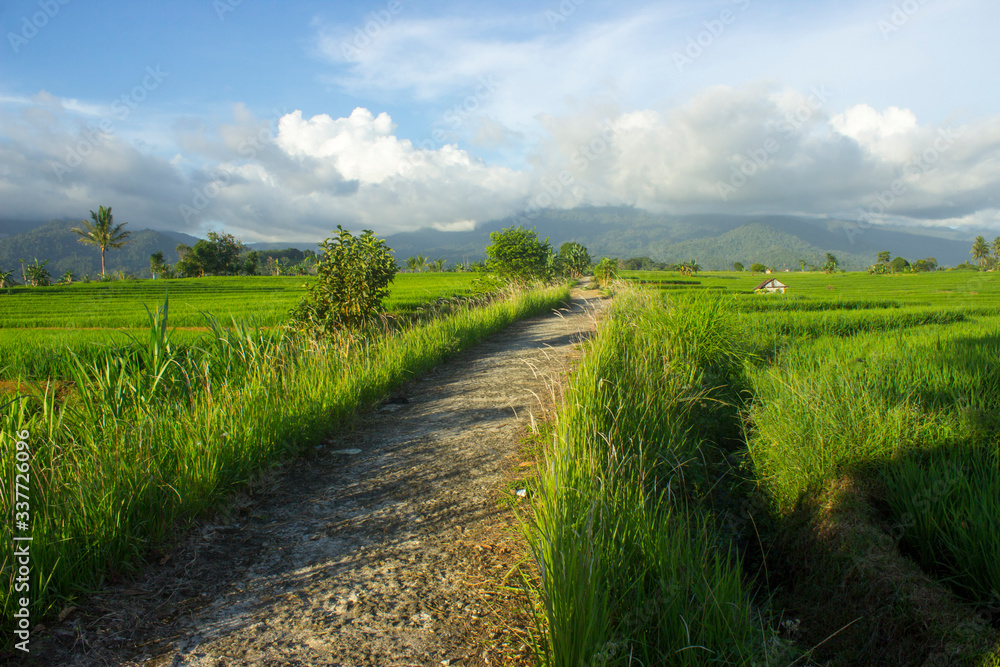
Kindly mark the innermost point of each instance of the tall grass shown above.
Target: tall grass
(631, 568)
(153, 435)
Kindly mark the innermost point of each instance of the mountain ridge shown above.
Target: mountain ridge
(715, 241)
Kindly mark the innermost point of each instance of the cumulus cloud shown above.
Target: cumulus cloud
(751, 149)
(755, 150)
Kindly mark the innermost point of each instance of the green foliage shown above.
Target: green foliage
(219, 255)
(689, 267)
(157, 265)
(36, 274)
(353, 280)
(980, 252)
(79, 315)
(757, 267)
(605, 271)
(573, 260)
(102, 232)
(832, 264)
(883, 257)
(6, 278)
(517, 256)
(737, 266)
(416, 264)
(157, 434)
(643, 263)
(632, 569)
(899, 264)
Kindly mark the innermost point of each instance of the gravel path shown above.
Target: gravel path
(388, 547)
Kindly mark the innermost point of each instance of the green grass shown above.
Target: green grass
(38, 324)
(903, 398)
(632, 567)
(155, 434)
(265, 300)
(951, 289)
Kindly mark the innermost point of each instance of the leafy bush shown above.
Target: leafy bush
(354, 275)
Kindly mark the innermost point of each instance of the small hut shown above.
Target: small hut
(770, 286)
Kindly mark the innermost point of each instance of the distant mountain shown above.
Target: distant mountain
(12, 227)
(53, 241)
(715, 241)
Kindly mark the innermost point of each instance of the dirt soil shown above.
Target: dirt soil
(393, 544)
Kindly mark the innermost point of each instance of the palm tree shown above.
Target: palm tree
(102, 232)
(416, 264)
(996, 249)
(980, 251)
(437, 265)
(5, 278)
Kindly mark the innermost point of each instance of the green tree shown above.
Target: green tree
(605, 271)
(251, 262)
(156, 263)
(757, 267)
(980, 251)
(354, 274)
(437, 265)
(516, 255)
(36, 274)
(67, 278)
(737, 266)
(5, 278)
(899, 264)
(690, 267)
(883, 257)
(416, 264)
(996, 249)
(802, 264)
(218, 255)
(832, 264)
(573, 259)
(101, 231)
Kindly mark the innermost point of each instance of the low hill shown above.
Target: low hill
(715, 241)
(54, 241)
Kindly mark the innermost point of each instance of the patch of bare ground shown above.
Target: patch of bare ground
(390, 545)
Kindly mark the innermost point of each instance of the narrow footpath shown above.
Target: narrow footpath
(386, 547)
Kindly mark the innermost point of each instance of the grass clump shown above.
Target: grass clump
(632, 569)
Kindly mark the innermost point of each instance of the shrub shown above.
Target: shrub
(605, 272)
(354, 275)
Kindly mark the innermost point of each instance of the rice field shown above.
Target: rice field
(829, 459)
(38, 323)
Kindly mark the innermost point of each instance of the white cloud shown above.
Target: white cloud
(751, 149)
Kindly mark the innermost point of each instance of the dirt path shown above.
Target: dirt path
(386, 548)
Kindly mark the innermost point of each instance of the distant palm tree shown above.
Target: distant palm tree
(102, 232)
(5, 278)
(437, 265)
(980, 251)
(996, 248)
(416, 264)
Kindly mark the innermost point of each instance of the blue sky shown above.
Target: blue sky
(278, 121)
